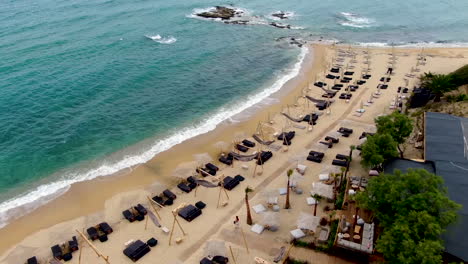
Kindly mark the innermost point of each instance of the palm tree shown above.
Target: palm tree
(287, 205)
(317, 200)
(249, 215)
(437, 83)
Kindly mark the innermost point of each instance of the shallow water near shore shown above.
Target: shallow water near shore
(82, 81)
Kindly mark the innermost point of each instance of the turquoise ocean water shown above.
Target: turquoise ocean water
(82, 80)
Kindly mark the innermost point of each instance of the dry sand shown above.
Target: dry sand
(104, 199)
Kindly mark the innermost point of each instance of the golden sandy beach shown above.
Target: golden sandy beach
(104, 199)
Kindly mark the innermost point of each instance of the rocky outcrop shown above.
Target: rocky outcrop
(224, 13)
(280, 15)
(279, 25)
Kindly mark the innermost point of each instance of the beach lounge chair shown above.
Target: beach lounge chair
(329, 144)
(184, 187)
(220, 260)
(239, 178)
(348, 73)
(344, 81)
(105, 227)
(226, 160)
(152, 242)
(360, 82)
(334, 140)
(342, 163)
(317, 154)
(264, 157)
(103, 238)
(128, 215)
(366, 76)
(320, 84)
(158, 199)
(335, 70)
(169, 194)
(242, 148)
(203, 172)
(200, 205)
(92, 233)
(189, 213)
(67, 256)
(336, 88)
(342, 157)
(136, 250)
(57, 252)
(248, 143)
(32, 260)
(314, 159)
(206, 261)
(230, 183)
(73, 244)
(141, 209)
(330, 76)
(211, 166)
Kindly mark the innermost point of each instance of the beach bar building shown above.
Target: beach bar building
(446, 154)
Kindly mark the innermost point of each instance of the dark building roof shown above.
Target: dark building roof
(446, 145)
(405, 164)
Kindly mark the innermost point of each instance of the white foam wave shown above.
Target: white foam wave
(348, 19)
(28, 201)
(162, 40)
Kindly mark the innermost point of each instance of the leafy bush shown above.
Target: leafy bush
(460, 76)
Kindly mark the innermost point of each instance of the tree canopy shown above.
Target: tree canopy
(438, 84)
(397, 125)
(377, 149)
(413, 210)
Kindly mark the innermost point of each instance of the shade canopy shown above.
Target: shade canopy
(307, 221)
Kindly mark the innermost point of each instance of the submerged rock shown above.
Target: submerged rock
(222, 12)
(280, 15)
(279, 25)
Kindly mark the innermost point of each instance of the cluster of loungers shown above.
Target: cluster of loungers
(315, 156)
(99, 232)
(64, 252)
(138, 249)
(263, 157)
(209, 169)
(137, 212)
(245, 146)
(215, 260)
(166, 198)
(286, 137)
(345, 132)
(189, 186)
(341, 160)
(190, 212)
(329, 141)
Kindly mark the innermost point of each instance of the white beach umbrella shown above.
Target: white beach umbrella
(215, 248)
(270, 219)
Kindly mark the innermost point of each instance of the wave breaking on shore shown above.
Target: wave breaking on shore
(37, 196)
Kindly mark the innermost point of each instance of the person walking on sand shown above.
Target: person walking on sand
(236, 222)
(389, 70)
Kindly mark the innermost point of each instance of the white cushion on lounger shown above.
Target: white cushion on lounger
(273, 200)
(259, 208)
(245, 167)
(282, 191)
(301, 168)
(324, 177)
(257, 229)
(311, 201)
(297, 233)
(165, 230)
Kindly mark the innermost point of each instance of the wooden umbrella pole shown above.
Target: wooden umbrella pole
(219, 197)
(172, 229)
(154, 208)
(81, 250)
(146, 222)
(287, 253)
(245, 241)
(196, 188)
(93, 247)
(232, 255)
(180, 226)
(225, 192)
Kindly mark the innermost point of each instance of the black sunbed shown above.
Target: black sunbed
(317, 154)
(230, 183)
(314, 158)
(211, 166)
(184, 187)
(366, 76)
(242, 148)
(57, 252)
(136, 250)
(128, 215)
(225, 160)
(92, 233)
(32, 260)
(334, 140)
(206, 261)
(342, 163)
(320, 84)
(73, 244)
(330, 145)
(105, 227)
(248, 143)
(344, 81)
(342, 157)
(345, 130)
(189, 213)
(335, 70)
(330, 76)
(169, 194)
(239, 178)
(264, 157)
(200, 205)
(348, 73)
(361, 82)
(141, 209)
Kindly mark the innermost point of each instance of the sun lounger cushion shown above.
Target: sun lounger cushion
(200, 205)
(297, 233)
(334, 140)
(92, 233)
(136, 250)
(32, 260)
(348, 73)
(105, 227)
(335, 70)
(128, 215)
(316, 154)
(248, 143)
(73, 244)
(184, 187)
(152, 242)
(141, 209)
(342, 157)
(206, 261)
(169, 194)
(242, 148)
(211, 166)
(341, 163)
(259, 208)
(230, 183)
(190, 212)
(158, 199)
(314, 158)
(225, 160)
(57, 252)
(239, 178)
(257, 229)
(220, 260)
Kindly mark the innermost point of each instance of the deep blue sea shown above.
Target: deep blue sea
(81, 80)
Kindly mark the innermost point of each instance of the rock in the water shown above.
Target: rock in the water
(236, 22)
(222, 12)
(279, 25)
(280, 15)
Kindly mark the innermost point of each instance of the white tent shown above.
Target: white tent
(323, 190)
(307, 221)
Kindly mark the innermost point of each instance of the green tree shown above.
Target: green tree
(413, 209)
(397, 125)
(377, 149)
(437, 83)
(249, 215)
